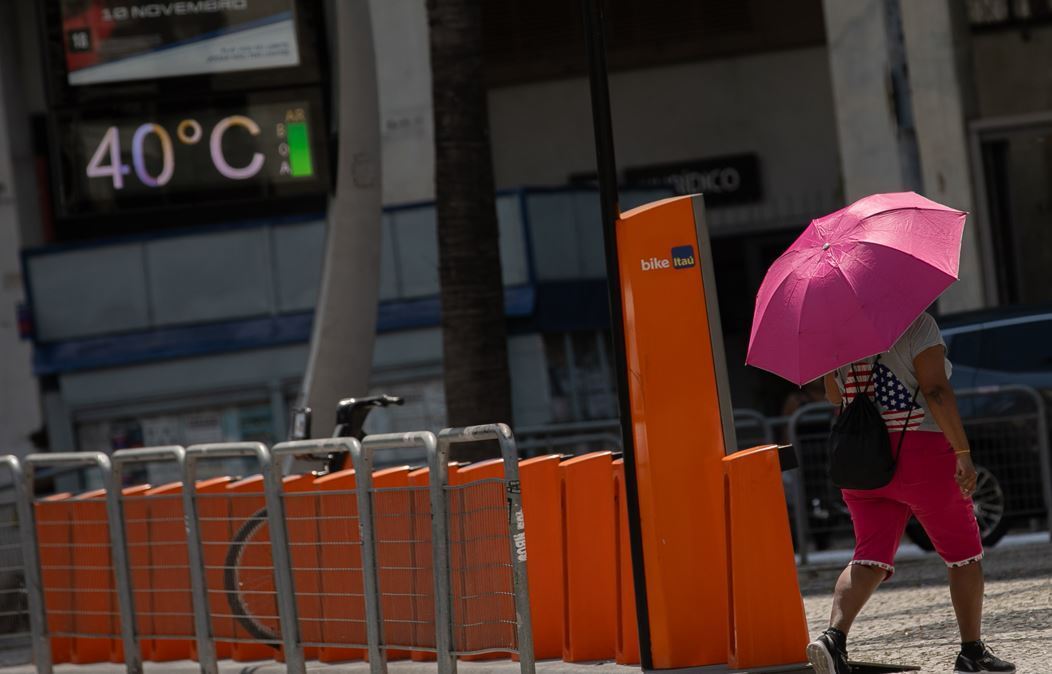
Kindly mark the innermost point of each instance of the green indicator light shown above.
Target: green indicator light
(299, 150)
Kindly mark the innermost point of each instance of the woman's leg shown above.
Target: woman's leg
(966, 591)
(853, 589)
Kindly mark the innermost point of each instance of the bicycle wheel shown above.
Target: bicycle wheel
(248, 580)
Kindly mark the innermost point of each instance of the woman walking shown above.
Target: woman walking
(933, 480)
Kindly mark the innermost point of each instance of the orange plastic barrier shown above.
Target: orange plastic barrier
(541, 489)
(395, 533)
(767, 619)
(422, 580)
(344, 617)
(54, 516)
(94, 597)
(484, 548)
(136, 534)
(255, 574)
(169, 575)
(214, 515)
(590, 546)
(301, 518)
(627, 645)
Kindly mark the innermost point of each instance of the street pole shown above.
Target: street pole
(606, 166)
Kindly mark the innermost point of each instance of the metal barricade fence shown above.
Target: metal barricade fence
(1007, 427)
(158, 567)
(752, 428)
(240, 572)
(86, 609)
(332, 551)
(15, 633)
(404, 531)
(482, 590)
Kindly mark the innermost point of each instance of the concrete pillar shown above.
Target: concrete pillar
(342, 341)
(19, 397)
(901, 104)
(938, 54)
(860, 65)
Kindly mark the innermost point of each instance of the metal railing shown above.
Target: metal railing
(347, 560)
(14, 601)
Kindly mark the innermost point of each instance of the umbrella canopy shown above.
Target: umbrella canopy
(852, 283)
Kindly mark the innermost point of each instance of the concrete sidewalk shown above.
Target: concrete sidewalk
(398, 667)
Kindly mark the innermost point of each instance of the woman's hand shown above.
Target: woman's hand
(965, 474)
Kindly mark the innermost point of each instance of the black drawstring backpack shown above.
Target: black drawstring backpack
(859, 445)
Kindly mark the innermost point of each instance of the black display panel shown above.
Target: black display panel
(97, 49)
(250, 151)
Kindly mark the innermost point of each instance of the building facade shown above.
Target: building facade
(778, 112)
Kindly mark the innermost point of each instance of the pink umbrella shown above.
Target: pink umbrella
(852, 283)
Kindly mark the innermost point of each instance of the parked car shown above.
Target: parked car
(992, 348)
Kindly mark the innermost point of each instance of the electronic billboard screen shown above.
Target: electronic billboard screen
(149, 156)
(108, 41)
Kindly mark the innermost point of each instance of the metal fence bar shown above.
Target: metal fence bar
(755, 418)
(120, 460)
(803, 536)
(438, 473)
(1044, 456)
(516, 523)
(275, 506)
(363, 470)
(30, 565)
(132, 655)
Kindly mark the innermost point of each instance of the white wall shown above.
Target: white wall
(777, 105)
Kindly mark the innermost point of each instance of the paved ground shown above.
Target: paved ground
(910, 620)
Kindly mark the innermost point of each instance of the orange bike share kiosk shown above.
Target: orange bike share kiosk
(685, 487)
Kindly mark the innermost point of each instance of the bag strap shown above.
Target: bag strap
(907, 424)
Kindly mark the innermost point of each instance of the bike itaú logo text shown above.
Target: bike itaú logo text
(682, 257)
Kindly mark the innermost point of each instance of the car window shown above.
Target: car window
(962, 348)
(1024, 347)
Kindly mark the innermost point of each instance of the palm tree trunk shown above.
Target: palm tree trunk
(475, 354)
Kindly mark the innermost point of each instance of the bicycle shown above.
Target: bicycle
(251, 607)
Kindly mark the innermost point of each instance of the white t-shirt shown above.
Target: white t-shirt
(894, 383)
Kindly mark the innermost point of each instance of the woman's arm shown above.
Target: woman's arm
(832, 390)
(931, 376)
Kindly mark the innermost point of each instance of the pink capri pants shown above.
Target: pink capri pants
(923, 485)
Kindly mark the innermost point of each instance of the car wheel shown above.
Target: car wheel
(989, 504)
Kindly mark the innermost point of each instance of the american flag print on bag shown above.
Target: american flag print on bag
(894, 399)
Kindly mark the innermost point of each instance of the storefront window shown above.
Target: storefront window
(580, 371)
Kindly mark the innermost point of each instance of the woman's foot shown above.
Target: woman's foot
(976, 658)
(828, 653)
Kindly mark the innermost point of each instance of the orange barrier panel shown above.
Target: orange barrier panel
(767, 619)
(590, 546)
(255, 573)
(344, 617)
(396, 558)
(54, 516)
(137, 534)
(117, 643)
(681, 422)
(169, 575)
(478, 548)
(423, 582)
(627, 645)
(544, 549)
(301, 522)
(95, 609)
(213, 511)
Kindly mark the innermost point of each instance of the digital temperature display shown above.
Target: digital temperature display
(253, 151)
